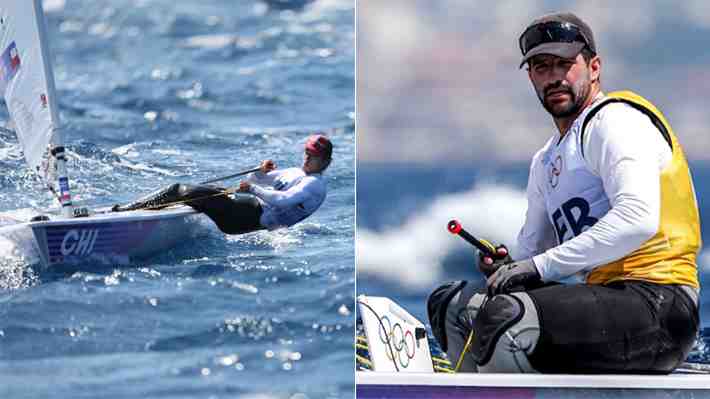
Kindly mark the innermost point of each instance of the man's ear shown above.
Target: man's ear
(596, 67)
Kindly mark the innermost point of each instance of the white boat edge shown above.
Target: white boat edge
(94, 238)
(573, 381)
(105, 215)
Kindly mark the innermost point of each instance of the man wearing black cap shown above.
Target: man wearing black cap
(280, 198)
(605, 276)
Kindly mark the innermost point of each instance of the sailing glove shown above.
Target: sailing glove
(488, 264)
(514, 276)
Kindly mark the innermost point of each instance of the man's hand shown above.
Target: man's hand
(267, 166)
(244, 186)
(511, 276)
(488, 264)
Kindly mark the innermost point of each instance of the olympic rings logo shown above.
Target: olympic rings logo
(401, 342)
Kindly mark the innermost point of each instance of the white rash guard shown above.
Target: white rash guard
(287, 196)
(586, 211)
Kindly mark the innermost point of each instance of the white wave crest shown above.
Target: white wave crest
(412, 253)
(51, 6)
(215, 41)
(704, 262)
(18, 253)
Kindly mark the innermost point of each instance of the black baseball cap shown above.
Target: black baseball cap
(562, 34)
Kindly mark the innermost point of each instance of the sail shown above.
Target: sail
(26, 78)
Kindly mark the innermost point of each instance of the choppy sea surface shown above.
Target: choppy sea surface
(404, 251)
(154, 92)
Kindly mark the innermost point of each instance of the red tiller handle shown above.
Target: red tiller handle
(454, 227)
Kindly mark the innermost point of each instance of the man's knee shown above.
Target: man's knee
(247, 201)
(452, 309)
(437, 309)
(506, 332)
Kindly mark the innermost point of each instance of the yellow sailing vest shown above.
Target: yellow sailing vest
(669, 257)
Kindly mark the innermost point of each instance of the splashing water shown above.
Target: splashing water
(15, 270)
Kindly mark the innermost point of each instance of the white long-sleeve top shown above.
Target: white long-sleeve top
(287, 196)
(588, 210)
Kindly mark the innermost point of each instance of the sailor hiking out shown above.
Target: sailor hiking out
(268, 199)
(605, 277)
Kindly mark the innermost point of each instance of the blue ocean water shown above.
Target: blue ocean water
(154, 92)
(408, 206)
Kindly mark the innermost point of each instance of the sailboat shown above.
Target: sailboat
(75, 235)
(400, 364)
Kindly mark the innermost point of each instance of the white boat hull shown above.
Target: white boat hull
(105, 238)
(452, 386)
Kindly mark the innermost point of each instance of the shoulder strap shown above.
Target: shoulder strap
(654, 119)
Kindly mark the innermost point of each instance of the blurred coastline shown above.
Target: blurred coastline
(439, 81)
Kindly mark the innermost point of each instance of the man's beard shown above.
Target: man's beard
(578, 94)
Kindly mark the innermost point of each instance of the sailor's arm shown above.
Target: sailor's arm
(537, 233)
(265, 175)
(535, 236)
(295, 195)
(628, 152)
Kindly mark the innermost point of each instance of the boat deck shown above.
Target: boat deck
(452, 386)
(672, 381)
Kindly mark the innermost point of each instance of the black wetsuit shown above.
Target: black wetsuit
(237, 215)
(622, 327)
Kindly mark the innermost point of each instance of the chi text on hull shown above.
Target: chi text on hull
(113, 238)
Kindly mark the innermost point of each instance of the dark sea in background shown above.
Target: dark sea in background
(154, 92)
(397, 202)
